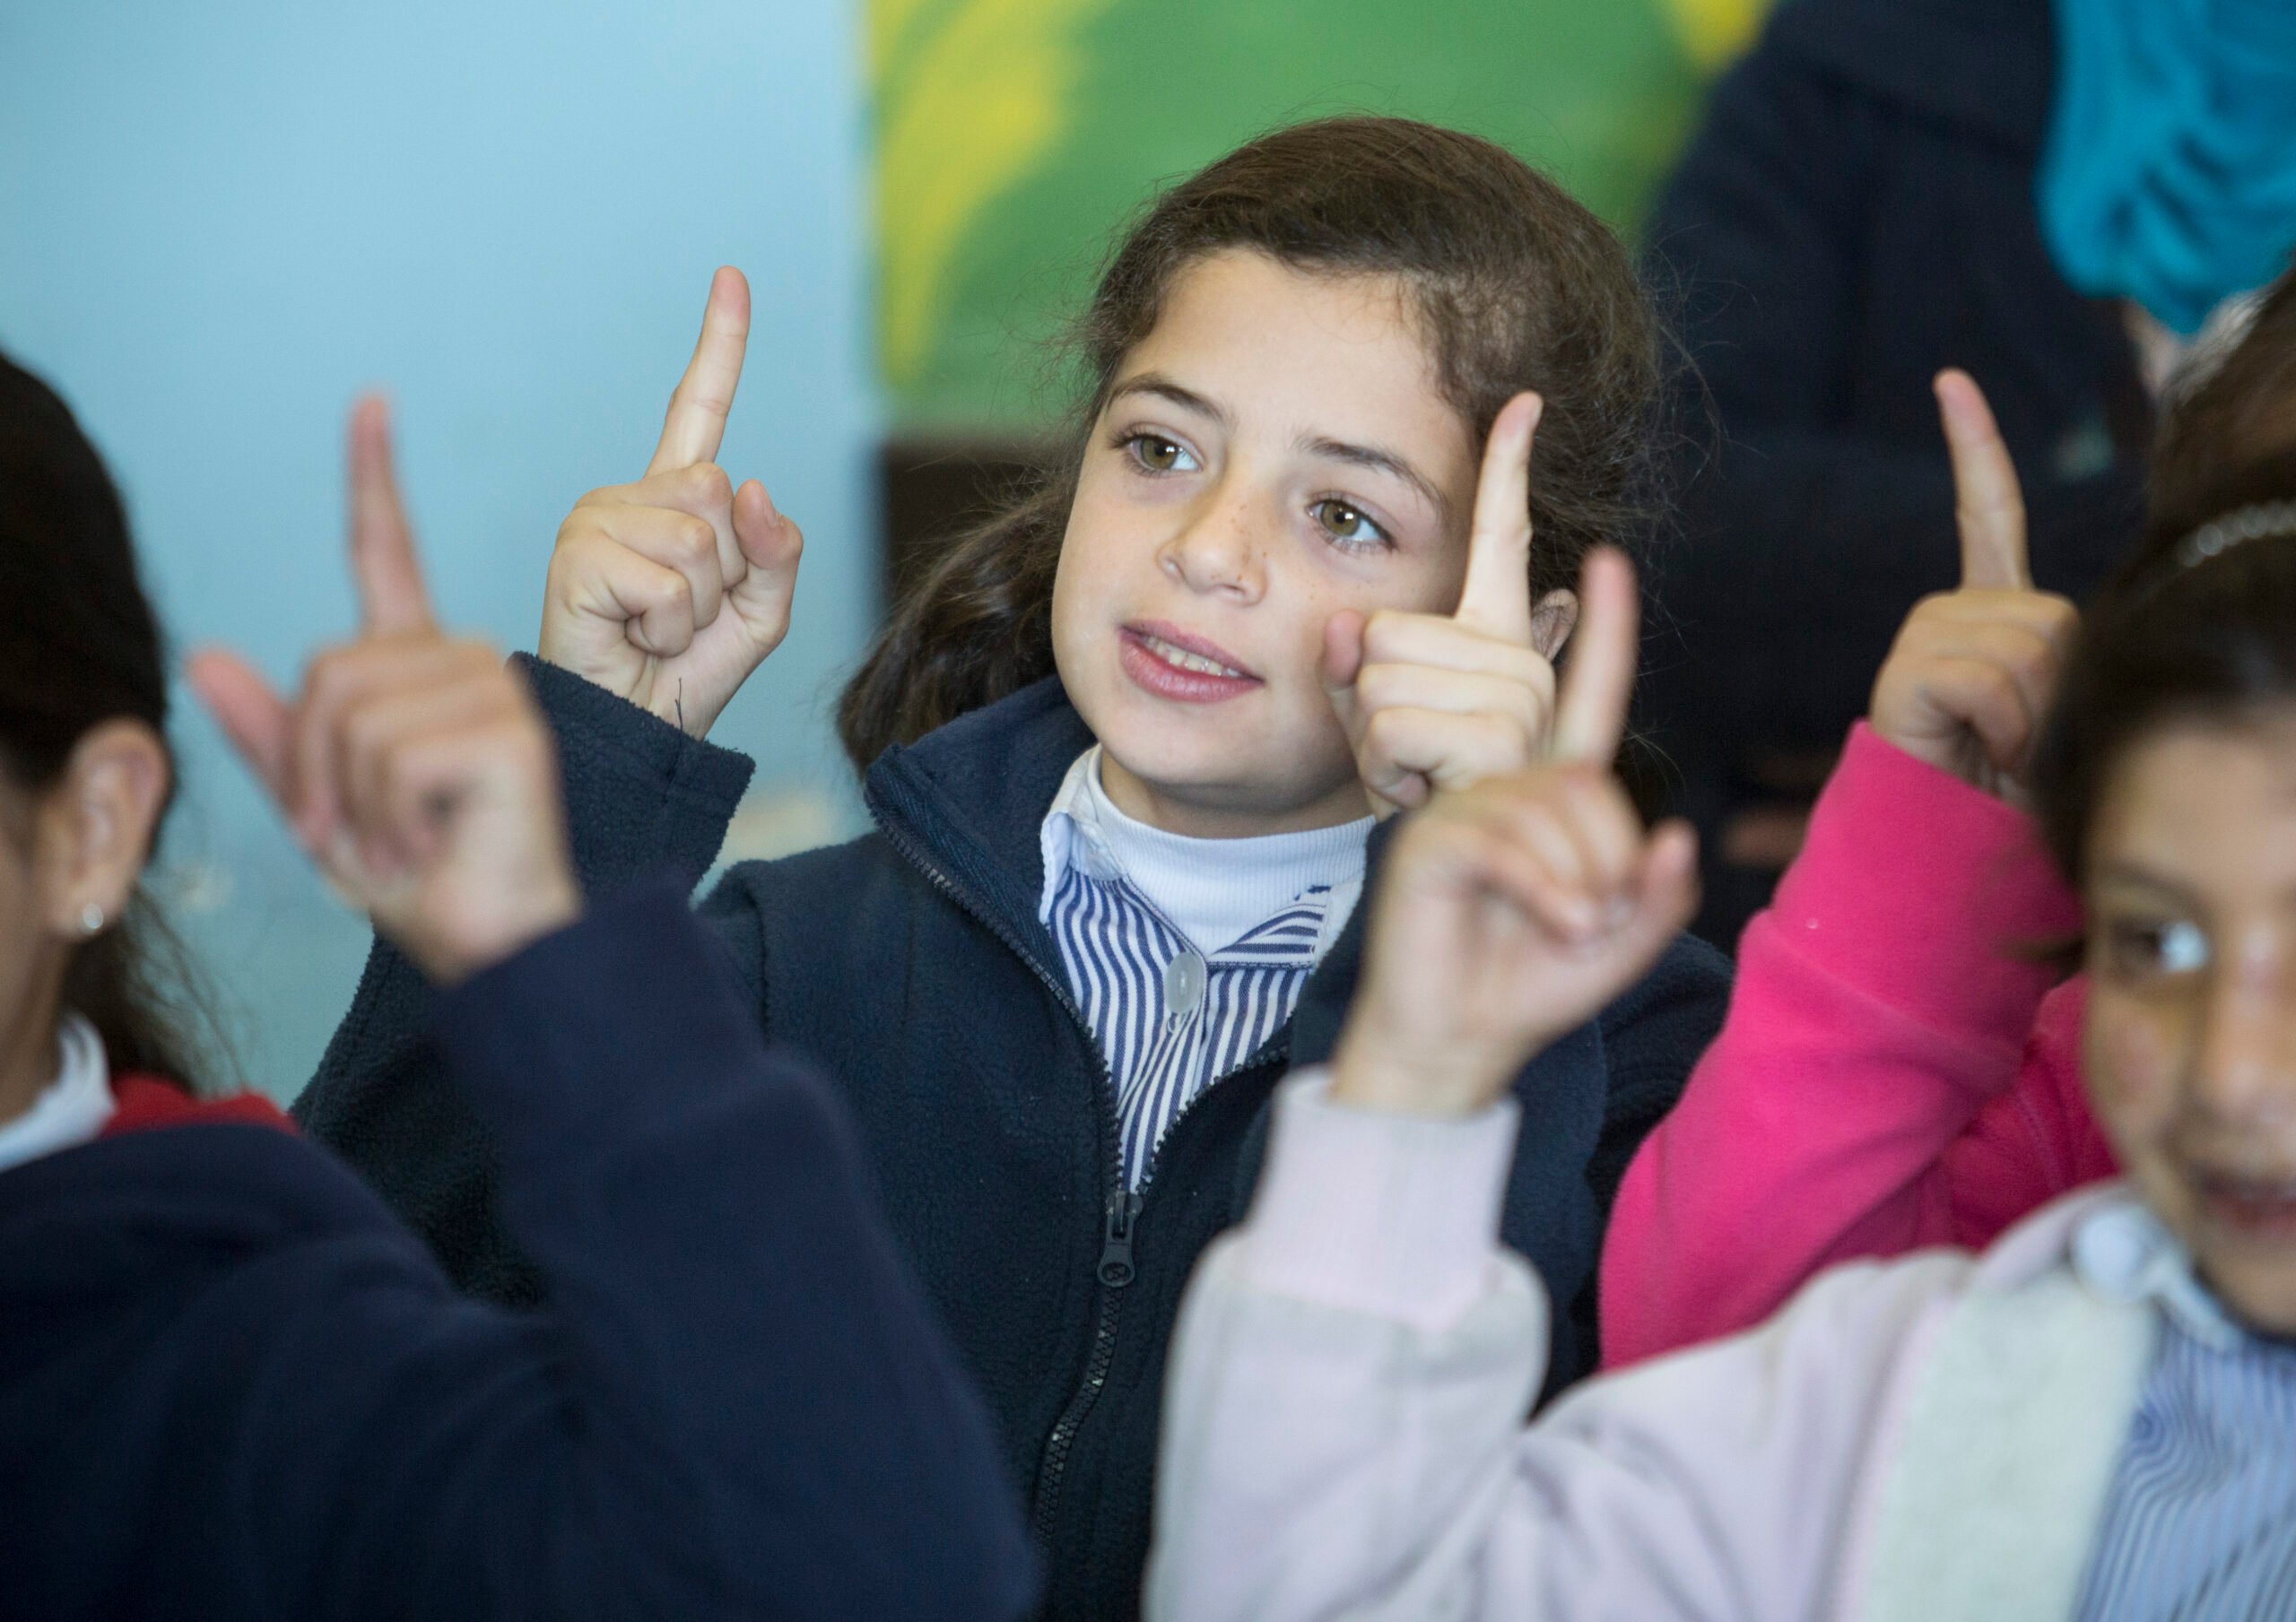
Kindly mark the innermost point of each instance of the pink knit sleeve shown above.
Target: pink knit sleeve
(1880, 1003)
(2033, 1143)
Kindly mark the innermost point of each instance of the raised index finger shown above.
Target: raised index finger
(1599, 674)
(1497, 597)
(696, 422)
(1988, 506)
(383, 564)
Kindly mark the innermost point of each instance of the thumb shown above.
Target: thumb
(1343, 649)
(769, 540)
(1343, 662)
(771, 545)
(1665, 894)
(255, 718)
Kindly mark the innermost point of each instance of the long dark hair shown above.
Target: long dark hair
(79, 645)
(1519, 286)
(2200, 622)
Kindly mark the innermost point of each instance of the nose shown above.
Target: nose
(2244, 1070)
(1221, 547)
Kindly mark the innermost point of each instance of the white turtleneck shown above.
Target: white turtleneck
(71, 1110)
(1213, 890)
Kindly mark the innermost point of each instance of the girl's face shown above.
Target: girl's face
(1276, 450)
(2190, 1039)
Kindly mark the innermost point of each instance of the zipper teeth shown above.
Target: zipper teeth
(1081, 1402)
(1096, 1372)
(1276, 1048)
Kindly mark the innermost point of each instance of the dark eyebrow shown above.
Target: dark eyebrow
(1382, 461)
(2135, 877)
(1336, 450)
(1164, 387)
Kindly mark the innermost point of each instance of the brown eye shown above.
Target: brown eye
(2152, 949)
(1159, 454)
(1348, 526)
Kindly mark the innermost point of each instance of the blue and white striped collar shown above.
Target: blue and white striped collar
(1215, 891)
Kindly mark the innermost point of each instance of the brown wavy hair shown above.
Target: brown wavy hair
(80, 646)
(1518, 286)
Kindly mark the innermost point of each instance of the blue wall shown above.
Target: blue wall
(218, 222)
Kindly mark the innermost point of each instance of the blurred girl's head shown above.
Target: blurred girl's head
(1293, 361)
(84, 772)
(2166, 785)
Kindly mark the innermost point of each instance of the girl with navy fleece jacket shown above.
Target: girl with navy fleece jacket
(1125, 746)
(231, 1383)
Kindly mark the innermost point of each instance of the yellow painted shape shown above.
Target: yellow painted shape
(971, 94)
(1714, 32)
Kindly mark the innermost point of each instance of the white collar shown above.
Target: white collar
(2124, 1252)
(70, 1110)
(1213, 891)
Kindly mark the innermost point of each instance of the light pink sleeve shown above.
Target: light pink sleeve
(1881, 1002)
(1343, 1413)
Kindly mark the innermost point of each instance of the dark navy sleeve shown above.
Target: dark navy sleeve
(1652, 1039)
(736, 1401)
(641, 799)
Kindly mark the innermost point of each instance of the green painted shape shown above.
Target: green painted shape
(1597, 93)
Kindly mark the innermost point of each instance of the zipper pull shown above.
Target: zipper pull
(1115, 1249)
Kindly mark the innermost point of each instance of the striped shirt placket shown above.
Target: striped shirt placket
(1169, 1021)
(2200, 1519)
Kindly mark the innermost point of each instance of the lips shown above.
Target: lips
(1172, 664)
(2260, 1207)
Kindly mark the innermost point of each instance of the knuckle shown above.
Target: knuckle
(694, 542)
(710, 483)
(1375, 687)
(361, 730)
(332, 673)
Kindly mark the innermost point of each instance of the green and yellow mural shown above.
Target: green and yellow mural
(1014, 135)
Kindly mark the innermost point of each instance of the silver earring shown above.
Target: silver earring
(91, 919)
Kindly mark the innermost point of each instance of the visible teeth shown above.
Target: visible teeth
(1185, 660)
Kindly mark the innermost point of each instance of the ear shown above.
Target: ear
(1552, 619)
(95, 824)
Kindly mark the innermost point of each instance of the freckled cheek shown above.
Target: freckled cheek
(2132, 1056)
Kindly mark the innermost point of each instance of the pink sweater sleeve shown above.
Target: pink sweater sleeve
(1873, 1089)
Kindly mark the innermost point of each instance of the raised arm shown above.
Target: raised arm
(734, 1398)
(663, 596)
(1886, 996)
(1342, 1423)
(1344, 1434)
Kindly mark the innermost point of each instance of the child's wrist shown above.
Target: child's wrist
(1369, 1072)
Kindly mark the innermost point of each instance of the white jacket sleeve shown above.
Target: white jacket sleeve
(1345, 1437)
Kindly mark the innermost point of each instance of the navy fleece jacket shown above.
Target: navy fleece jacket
(912, 962)
(1855, 212)
(234, 1385)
